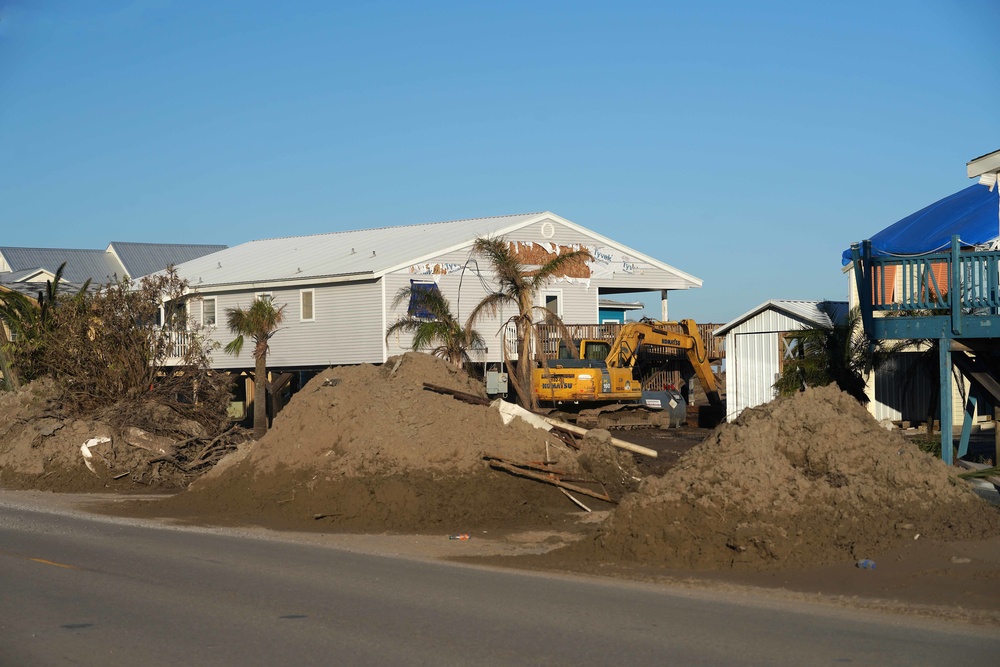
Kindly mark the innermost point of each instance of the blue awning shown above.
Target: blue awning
(972, 213)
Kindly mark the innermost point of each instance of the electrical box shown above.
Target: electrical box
(496, 382)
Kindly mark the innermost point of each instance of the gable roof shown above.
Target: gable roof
(818, 314)
(81, 265)
(99, 266)
(142, 259)
(369, 253)
(27, 275)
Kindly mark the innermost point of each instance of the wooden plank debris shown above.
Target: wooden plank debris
(459, 395)
(528, 470)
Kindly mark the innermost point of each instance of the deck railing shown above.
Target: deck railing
(178, 344)
(935, 295)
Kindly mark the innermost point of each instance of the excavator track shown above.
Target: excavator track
(621, 417)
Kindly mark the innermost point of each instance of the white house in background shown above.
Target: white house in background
(338, 288)
(758, 342)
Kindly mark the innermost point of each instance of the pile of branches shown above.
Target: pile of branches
(191, 458)
(117, 348)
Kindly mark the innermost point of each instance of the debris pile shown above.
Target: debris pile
(369, 448)
(41, 448)
(800, 481)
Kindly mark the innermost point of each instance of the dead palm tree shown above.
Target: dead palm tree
(260, 322)
(433, 326)
(517, 287)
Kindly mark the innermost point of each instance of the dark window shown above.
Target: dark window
(419, 289)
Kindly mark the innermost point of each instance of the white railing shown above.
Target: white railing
(178, 343)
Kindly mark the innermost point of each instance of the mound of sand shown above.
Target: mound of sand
(804, 480)
(367, 448)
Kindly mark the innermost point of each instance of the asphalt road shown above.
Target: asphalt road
(78, 590)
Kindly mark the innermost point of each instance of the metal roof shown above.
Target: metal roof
(100, 266)
(623, 305)
(819, 314)
(81, 265)
(22, 275)
(141, 259)
(363, 253)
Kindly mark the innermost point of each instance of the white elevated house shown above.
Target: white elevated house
(759, 341)
(338, 288)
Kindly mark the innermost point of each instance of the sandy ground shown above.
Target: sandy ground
(921, 580)
(782, 501)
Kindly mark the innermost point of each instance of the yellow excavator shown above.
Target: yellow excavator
(602, 371)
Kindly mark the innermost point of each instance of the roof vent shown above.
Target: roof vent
(220, 265)
(373, 253)
(352, 251)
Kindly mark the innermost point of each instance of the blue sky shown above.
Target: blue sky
(746, 143)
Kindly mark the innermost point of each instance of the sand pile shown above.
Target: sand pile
(804, 480)
(368, 448)
(39, 449)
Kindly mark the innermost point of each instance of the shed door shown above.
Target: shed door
(757, 366)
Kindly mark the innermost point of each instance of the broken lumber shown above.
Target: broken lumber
(458, 395)
(615, 442)
(541, 467)
(577, 502)
(508, 411)
(538, 477)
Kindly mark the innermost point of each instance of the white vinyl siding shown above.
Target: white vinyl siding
(349, 332)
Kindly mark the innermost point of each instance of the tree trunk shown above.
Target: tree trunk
(525, 368)
(9, 374)
(260, 398)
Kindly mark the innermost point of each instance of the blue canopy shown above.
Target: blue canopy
(972, 213)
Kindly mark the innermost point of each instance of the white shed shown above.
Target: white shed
(756, 346)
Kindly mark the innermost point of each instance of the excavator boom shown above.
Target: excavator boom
(580, 381)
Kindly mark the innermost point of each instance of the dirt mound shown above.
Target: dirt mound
(803, 480)
(369, 448)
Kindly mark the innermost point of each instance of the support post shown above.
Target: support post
(861, 255)
(663, 306)
(970, 410)
(954, 288)
(944, 358)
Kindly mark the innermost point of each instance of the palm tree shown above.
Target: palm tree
(28, 320)
(435, 327)
(518, 286)
(260, 322)
(844, 355)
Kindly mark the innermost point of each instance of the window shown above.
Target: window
(419, 292)
(306, 313)
(552, 301)
(208, 308)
